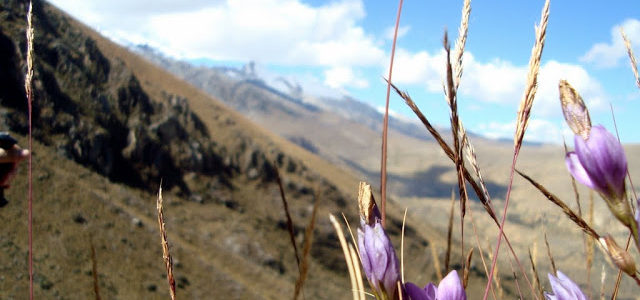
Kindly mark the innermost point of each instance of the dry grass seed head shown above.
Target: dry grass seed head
(532, 78)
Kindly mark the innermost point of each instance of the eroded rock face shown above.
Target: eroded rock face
(96, 111)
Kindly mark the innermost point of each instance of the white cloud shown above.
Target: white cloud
(402, 31)
(538, 130)
(501, 82)
(610, 54)
(420, 68)
(287, 32)
(498, 81)
(547, 102)
(339, 77)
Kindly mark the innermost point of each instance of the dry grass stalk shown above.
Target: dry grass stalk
(306, 250)
(603, 276)
(521, 124)
(590, 244)
(404, 221)
(463, 29)
(632, 58)
(447, 150)
(447, 256)
(353, 239)
(385, 125)
(532, 78)
(555, 200)
(495, 277)
(472, 158)
(484, 263)
(513, 271)
(553, 262)
(94, 270)
(478, 191)
(536, 277)
(354, 259)
(436, 261)
(467, 269)
(451, 93)
(292, 235)
(347, 257)
(29, 92)
(457, 70)
(166, 254)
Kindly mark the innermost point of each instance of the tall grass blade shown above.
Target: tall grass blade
(450, 93)
(285, 205)
(306, 250)
(553, 262)
(436, 260)
(347, 257)
(29, 92)
(404, 221)
(385, 126)
(467, 269)
(94, 270)
(447, 256)
(534, 270)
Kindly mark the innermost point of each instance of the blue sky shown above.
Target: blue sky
(335, 47)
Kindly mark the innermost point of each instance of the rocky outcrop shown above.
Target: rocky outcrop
(95, 111)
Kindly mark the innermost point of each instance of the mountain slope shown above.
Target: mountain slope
(109, 126)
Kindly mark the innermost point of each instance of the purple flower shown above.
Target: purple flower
(564, 289)
(599, 162)
(379, 259)
(450, 288)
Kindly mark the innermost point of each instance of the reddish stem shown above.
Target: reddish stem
(385, 125)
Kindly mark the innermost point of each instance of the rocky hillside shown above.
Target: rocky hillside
(109, 127)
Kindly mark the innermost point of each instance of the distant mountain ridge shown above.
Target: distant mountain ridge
(344, 130)
(346, 106)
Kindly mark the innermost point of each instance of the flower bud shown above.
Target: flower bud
(450, 288)
(575, 111)
(618, 256)
(378, 257)
(564, 288)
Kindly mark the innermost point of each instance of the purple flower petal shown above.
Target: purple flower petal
(604, 161)
(564, 288)
(415, 293)
(431, 290)
(577, 171)
(450, 288)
